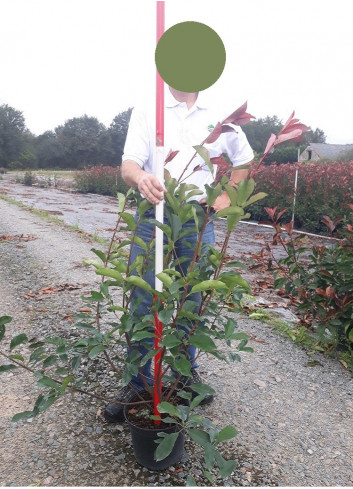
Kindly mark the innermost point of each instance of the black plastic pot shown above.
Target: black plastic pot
(144, 445)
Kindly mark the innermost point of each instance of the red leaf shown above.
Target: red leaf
(226, 128)
(288, 228)
(300, 126)
(239, 117)
(220, 161)
(217, 131)
(289, 121)
(271, 212)
(287, 136)
(171, 155)
(270, 143)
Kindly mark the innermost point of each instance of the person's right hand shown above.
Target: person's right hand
(150, 187)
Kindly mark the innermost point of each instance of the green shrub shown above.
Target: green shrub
(103, 180)
(29, 179)
(320, 278)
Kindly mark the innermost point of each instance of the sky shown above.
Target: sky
(61, 59)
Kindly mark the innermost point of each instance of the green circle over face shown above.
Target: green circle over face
(190, 56)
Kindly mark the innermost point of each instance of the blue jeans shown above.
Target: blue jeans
(144, 300)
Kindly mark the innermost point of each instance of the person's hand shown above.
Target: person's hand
(150, 187)
(220, 203)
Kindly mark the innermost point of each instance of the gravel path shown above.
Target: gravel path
(294, 421)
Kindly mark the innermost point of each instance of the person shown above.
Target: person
(187, 120)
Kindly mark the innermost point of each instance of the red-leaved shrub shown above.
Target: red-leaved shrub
(103, 180)
(323, 189)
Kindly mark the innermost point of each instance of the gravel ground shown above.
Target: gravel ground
(293, 421)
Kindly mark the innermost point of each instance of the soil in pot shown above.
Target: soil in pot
(144, 433)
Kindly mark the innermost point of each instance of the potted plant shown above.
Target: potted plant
(168, 410)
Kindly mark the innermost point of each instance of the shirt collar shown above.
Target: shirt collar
(171, 101)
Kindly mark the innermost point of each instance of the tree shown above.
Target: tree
(118, 130)
(259, 131)
(317, 136)
(12, 131)
(49, 150)
(82, 141)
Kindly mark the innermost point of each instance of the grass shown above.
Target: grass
(47, 173)
(303, 338)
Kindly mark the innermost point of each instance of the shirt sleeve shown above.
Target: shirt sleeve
(238, 147)
(137, 144)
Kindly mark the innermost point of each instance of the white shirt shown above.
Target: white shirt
(183, 129)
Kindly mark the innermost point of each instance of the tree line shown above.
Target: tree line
(80, 142)
(84, 141)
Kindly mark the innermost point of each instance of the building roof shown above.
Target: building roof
(330, 151)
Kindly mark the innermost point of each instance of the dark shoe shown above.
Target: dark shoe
(195, 378)
(114, 412)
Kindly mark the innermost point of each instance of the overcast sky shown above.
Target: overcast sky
(65, 58)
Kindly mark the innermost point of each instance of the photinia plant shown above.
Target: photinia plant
(201, 299)
(318, 277)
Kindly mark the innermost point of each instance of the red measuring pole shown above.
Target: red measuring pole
(159, 171)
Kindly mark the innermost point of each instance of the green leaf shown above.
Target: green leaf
(129, 220)
(230, 211)
(76, 362)
(209, 476)
(165, 316)
(200, 437)
(48, 382)
(227, 468)
(170, 341)
(167, 407)
(165, 446)
(110, 272)
(47, 402)
(183, 366)
(50, 361)
(165, 279)
(256, 197)
(232, 279)
(66, 382)
(205, 155)
(143, 207)
(18, 340)
(23, 415)
(142, 335)
(139, 282)
(226, 434)
(202, 389)
(207, 285)
(5, 320)
(245, 189)
(17, 357)
(100, 254)
(121, 202)
(212, 194)
(7, 368)
(96, 350)
(202, 342)
(232, 194)
(210, 455)
(190, 481)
